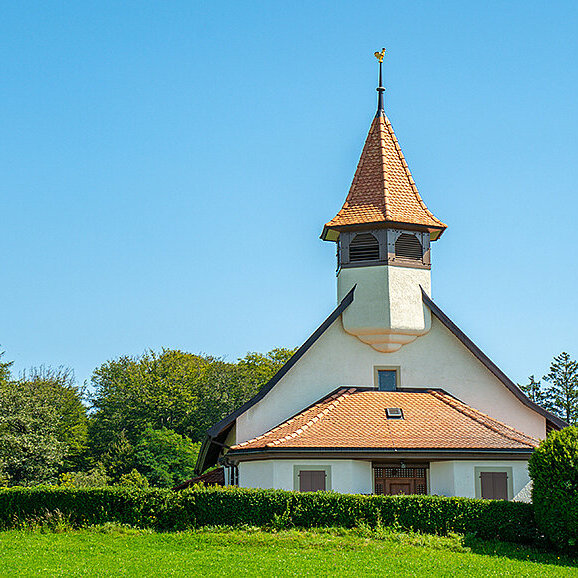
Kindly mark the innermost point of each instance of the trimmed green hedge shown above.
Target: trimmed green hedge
(167, 510)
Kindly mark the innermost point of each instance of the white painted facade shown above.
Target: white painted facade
(446, 478)
(461, 477)
(344, 476)
(437, 359)
(388, 309)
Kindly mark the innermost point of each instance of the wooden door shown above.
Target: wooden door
(395, 480)
(395, 487)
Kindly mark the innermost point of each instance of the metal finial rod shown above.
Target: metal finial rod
(380, 89)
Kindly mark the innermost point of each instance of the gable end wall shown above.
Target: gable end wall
(438, 360)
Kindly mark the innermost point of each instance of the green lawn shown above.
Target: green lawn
(114, 551)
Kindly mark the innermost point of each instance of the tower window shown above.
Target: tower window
(408, 246)
(386, 379)
(364, 247)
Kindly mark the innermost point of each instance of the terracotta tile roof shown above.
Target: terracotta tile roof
(383, 189)
(356, 418)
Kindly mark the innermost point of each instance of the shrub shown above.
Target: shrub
(94, 478)
(133, 478)
(554, 470)
(214, 506)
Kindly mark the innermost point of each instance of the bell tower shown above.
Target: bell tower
(383, 234)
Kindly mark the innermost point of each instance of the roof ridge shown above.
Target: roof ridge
(475, 413)
(334, 398)
(386, 192)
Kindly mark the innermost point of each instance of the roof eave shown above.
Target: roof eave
(331, 232)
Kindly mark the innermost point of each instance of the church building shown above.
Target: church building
(388, 395)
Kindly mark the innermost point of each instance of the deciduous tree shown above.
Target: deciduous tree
(30, 449)
(59, 386)
(4, 368)
(164, 457)
(172, 389)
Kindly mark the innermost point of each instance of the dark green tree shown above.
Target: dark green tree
(561, 395)
(533, 389)
(118, 459)
(164, 457)
(172, 389)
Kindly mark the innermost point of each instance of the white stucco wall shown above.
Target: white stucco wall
(436, 359)
(346, 476)
(441, 479)
(388, 309)
(458, 478)
(406, 304)
(448, 478)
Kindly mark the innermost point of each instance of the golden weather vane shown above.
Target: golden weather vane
(380, 55)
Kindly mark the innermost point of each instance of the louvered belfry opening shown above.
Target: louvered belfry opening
(364, 247)
(408, 246)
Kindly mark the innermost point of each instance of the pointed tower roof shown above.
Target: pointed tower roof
(383, 191)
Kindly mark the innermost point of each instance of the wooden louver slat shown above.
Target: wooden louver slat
(364, 247)
(408, 246)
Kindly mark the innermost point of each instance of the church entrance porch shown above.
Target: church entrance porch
(393, 479)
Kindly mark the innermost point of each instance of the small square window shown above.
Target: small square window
(386, 379)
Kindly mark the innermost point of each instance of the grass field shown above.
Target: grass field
(124, 552)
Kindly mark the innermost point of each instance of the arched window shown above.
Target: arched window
(408, 247)
(364, 247)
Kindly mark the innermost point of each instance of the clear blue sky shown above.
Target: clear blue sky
(167, 168)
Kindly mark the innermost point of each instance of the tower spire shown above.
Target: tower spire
(380, 89)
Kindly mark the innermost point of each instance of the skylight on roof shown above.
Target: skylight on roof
(394, 412)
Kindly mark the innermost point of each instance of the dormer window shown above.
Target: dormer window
(364, 247)
(407, 246)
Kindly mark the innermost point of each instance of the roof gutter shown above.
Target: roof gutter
(368, 453)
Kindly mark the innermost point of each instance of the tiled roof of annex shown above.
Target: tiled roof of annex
(383, 189)
(356, 418)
